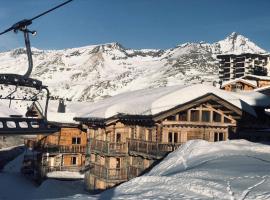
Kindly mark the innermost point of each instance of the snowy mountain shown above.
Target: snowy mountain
(97, 71)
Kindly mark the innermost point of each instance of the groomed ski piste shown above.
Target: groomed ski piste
(235, 169)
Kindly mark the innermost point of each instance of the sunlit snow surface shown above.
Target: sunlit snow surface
(198, 170)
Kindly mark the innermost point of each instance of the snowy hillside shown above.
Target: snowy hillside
(94, 72)
(201, 170)
(231, 170)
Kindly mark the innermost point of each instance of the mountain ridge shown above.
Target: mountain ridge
(94, 72)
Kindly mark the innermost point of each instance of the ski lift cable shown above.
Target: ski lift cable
(22, 26)
(26, 22)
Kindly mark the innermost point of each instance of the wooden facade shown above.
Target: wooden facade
(125, 146)
(238, 85)
(246, 83)
(62, 151)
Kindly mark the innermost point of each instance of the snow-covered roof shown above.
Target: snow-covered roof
(72, 110)
(157, 100)
(257, 77)
(249, 82)
(5, 111)
(262, 88)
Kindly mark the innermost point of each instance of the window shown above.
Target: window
(227, 120)
(118, 163)
(238, 86)
(150, 135)
(175, 137)
(206, 116)
(76, 140)
(170, 137)
(118, 137)
(220, 135)
(216, 137)
(133, 133)
(73, 160)
(183, 116)
(216, 117)
(171, 118)
(194, 115)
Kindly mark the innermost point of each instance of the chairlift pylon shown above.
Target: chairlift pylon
(26, 125)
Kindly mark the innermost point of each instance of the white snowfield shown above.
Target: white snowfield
(237, 169)
(156, 100)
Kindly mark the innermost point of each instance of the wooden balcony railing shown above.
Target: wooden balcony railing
(62, 168)
(63, 148)
(108, 147)
(134, 172)
(151, 148)
(115, 174)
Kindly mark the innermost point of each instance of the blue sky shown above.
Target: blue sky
(136, 23)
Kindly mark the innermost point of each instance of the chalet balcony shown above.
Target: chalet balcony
(113, 174)
(46, 169)
(108, 147)
(64, 149)
(153, 149)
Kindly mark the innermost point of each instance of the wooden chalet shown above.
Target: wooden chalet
(132, 131)
(61, 151)
(247, 82)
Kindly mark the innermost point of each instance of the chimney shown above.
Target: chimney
(61, 106)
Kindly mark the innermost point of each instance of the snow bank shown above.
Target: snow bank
(202, 170)
(197, 152)
(13, 185)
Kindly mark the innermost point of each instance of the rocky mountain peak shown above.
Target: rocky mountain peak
(237, 44)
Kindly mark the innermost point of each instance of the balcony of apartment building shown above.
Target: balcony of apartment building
(151, 149)
(239, 65)
(260, 62)
(239, 60)
(107, 147)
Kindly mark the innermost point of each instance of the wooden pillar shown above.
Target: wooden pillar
(188, 115)
(158, 132)
(211, 116)
(177, 117)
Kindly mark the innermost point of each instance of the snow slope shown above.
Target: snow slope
(202, 170)
(197, 170)
(97, 71)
